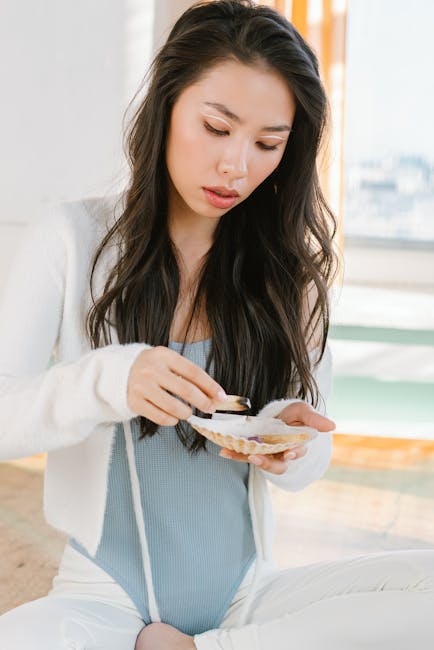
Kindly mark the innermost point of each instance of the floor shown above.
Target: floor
(378, 494)
(29, 549)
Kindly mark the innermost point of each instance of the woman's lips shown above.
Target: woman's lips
(219, 201)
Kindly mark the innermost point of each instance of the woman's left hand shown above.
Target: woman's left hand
(296, 414)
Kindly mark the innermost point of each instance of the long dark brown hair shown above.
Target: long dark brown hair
(267, 252)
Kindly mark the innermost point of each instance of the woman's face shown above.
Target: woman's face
(227, 133)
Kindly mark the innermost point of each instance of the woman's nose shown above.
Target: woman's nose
(234, 161)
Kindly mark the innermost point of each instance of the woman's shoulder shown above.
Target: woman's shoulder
(79, 222)
(103, 211)
(93, 214)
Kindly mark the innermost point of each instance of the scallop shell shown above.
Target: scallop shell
(235, 432)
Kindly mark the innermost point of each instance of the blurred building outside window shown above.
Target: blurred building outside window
(389, 145)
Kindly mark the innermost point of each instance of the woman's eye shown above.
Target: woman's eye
(261, 145)
(266, 147)
(213, 130)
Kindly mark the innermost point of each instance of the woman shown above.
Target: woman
(209, 274)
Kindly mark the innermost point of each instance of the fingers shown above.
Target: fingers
(270, 464)
(234, 455)
(156, 415)
(274, 463)
(161, 380)
(161, 399)
(194, 374)
(301, 413)
(319, 422)
(188, 392)
(295, 452)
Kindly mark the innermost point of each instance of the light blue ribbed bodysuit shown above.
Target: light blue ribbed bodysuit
(197, 522)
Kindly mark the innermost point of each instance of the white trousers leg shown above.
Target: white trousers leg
(74, 623)
(383, 601)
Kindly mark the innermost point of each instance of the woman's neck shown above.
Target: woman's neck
(192, 237)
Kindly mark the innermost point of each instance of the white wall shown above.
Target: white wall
(166, 13)
(68, 71)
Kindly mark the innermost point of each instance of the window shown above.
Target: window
(389, 135)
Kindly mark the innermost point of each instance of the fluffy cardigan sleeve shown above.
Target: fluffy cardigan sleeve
(312, 466)
(46, 409)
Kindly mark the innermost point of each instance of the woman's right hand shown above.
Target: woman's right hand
(160, 369)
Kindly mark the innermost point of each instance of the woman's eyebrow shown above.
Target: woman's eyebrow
(223, 109)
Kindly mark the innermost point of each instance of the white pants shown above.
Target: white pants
(383, 601)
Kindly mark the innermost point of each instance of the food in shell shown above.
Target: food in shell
(251, 434)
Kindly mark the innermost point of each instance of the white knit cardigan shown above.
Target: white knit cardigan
(70, 409)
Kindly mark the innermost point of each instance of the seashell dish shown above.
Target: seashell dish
(251, 434)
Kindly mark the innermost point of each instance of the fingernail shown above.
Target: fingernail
(255, 460)
(221, 394)
(224, 454)
(212, 409)
(290, 454)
